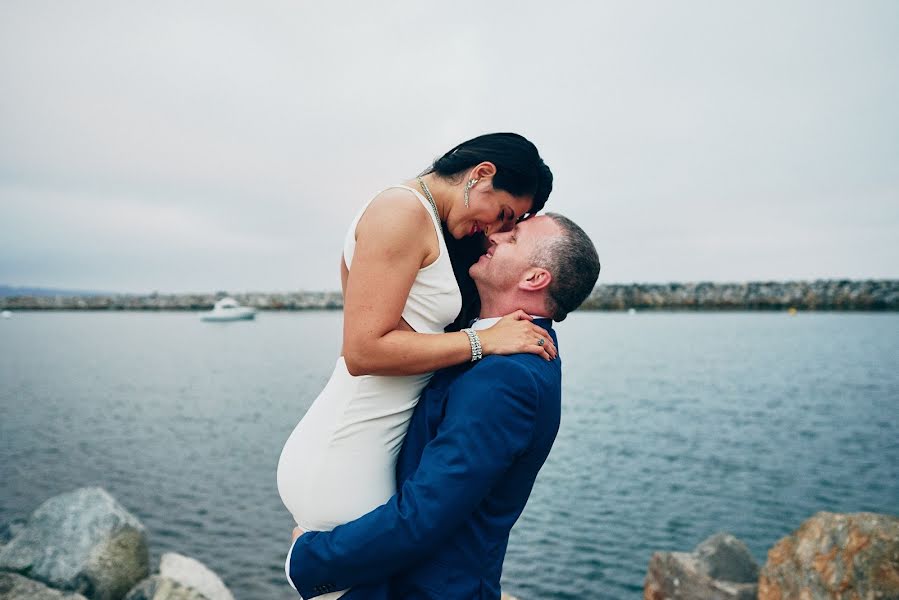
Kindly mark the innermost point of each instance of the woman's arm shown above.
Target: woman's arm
(390, 249)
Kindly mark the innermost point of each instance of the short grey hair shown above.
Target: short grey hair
(572, 261)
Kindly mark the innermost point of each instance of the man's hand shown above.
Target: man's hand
(297, 532)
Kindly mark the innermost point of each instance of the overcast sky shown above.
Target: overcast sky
(202, 146)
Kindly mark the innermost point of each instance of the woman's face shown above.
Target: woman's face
(489, 211)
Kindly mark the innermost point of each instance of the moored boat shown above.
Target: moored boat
(228, 309)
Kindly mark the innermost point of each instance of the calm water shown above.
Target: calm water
(675, 426)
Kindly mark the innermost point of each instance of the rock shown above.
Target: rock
(727, 558)
(16, 587)
(11, 530)
(193, 573)
(505, 596)
(720, 568)
(157, 587)
(82, 541)
(837, 557)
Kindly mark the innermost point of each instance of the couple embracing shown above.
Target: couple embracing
(407, 473)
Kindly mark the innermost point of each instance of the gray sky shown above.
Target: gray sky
(199, 146)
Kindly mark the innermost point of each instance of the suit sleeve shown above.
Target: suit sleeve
(489, 422)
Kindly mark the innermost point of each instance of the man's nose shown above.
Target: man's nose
(496, 237)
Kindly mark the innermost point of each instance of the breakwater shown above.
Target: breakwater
(802, 295)
(262, 301)
(831, 294)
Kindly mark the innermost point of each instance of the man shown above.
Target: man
(477, 439)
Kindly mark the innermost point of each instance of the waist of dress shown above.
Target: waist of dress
(341, 369)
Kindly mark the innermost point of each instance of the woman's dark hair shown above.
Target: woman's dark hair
(519, 171)
(519, 168)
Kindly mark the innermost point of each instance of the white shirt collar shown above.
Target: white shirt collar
(490, 321)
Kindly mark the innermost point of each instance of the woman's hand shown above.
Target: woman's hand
(297, 532)
(515, 334)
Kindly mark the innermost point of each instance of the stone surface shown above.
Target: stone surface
(720, 568)
(869, 294)
(194, 574)
(11, 530)
(16, 587)
(725, 557)
(82, 541)
(837, 557)
(158, 587)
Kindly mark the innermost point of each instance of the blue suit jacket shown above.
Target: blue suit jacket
(476, 441)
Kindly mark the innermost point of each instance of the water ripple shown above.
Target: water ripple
(674, 427)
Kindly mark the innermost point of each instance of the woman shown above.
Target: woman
(400, 295)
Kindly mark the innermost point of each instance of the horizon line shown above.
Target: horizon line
(6, 288)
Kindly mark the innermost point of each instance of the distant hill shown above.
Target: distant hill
(7, 291)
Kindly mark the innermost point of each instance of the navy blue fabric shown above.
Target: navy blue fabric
(476, 441)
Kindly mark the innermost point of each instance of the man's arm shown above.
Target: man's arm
(489, 422)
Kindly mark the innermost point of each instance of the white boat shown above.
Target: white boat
(227, 309)
(6, 314)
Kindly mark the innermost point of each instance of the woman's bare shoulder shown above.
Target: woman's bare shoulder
(394, 211)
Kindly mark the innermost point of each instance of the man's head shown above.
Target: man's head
(545, 265)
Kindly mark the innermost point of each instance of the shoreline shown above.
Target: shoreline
(822, 295)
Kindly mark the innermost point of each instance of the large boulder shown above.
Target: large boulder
(720, 568)
(837, 557)
(16, 587)
(194, 574)
(83, 541)
(157, 587)
(10, 530)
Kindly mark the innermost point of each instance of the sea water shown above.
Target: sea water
(674, 426)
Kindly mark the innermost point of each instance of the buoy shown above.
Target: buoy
(792, 311)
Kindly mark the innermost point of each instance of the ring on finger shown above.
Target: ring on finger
(541, 341)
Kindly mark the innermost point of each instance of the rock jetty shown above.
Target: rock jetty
(830, 557)
(881, 295)
(83, 545)
(261, 301)
(801, 295)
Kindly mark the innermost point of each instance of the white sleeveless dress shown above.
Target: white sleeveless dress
(339, 462)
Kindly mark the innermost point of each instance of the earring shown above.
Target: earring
(468, 187)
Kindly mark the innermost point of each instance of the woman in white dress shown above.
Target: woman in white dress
(401, 295)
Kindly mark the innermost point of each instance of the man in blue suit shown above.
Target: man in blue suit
(477, 439)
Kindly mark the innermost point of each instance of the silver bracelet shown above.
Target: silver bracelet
(475, 341)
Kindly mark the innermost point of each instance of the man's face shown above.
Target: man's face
(510, 252)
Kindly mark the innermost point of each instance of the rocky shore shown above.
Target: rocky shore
(843, 295)
(83, 545)
(830, 557)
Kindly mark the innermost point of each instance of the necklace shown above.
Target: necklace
(424, 188)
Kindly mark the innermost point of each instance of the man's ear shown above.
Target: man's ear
(535, 279)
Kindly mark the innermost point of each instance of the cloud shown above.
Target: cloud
(217, 144)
